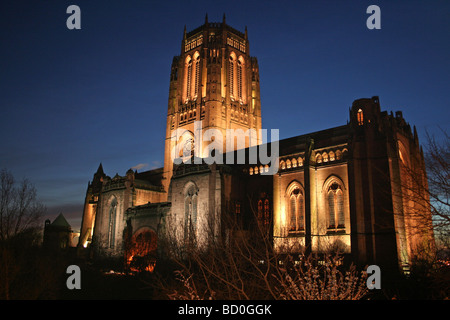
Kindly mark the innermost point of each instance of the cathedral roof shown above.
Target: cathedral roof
(154, 176)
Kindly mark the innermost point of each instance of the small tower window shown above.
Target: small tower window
(360, 117)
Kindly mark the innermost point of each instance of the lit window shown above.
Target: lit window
(335, 200)
(197, 75)
(231, 67)
(188, 77)
(296, 211)
(294, 163)
(332, 156)
(360, 117)
(288, 163)
(319, 158)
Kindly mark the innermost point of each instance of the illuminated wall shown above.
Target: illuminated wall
(327, 197)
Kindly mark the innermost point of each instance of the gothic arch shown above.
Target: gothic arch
(187, 78)
(335, 197)
(232, 65)
(329, 181)
(186, 145)
(196, 75)
(190, 186)
(295, 204)
(292, 185)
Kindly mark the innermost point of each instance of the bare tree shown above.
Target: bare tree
(20, 211)
(243, 264)
(437, 159)
(424, 190)
(20, 217)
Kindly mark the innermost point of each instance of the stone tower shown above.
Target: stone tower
(214, 84)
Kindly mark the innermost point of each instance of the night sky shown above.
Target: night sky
(70, 99)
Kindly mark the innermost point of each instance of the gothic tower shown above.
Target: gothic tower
(214, 84)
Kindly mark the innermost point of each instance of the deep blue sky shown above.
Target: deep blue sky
(70, 99)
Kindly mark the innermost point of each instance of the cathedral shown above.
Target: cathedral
(339, 188)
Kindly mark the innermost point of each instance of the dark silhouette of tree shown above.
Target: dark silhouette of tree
(437, 159)
(20, 223)
(20, 211)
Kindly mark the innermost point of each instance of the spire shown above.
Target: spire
(206, 18)
(246, 35)
(100, 169)
(184, 34)
(224, 19)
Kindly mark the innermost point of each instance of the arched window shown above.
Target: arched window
(332, 156)
(188, 68)
(112, 223)
(282, 165)
(190, 212)
(325, 157)
(231, 66)
(296, 208)
(250, 171)
(192, 76)
(338, 155)
(294, 163)
(197, 74)
(239, 79)
(319, 158)
(288, 163)
(300, 161)
(335, 201)
(292, 213)
(186, 146)
(360, 117)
